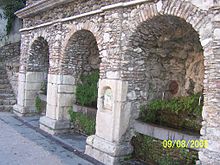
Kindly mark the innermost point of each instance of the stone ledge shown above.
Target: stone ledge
(163, 133)
(40, 7)
(85, 110)
(28, 11)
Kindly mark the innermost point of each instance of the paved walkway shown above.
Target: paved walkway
(21, 145)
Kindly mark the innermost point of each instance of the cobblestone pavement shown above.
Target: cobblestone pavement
(21, 145)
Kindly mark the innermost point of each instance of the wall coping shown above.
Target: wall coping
(39, 7)
(163, 133)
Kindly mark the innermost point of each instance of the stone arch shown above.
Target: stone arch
(38, 65)
(38, 59)
(154, 40)
(186, 11)
(197, 18)
(81, 58)
(179, 8)
(90, 26)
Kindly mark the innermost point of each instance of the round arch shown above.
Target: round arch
(180, 9)
(38, 60)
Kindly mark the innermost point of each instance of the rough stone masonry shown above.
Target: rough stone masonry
(144, 49)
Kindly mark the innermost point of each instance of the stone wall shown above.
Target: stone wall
(144, 46)
(9, 51)
(38, 60)
(82, 54)
(10, 57)
(12, 68)
(163, 60)
(74, 8)
(3, 23)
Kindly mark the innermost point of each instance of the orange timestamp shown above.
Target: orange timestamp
(194, 144)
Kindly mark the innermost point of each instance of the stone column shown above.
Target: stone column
(108, 145)
(60, 90)
(29, 83)
(60, 97)
(211, 112)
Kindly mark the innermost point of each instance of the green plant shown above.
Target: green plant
(44, 87)
(151, 151)
(38, 104)
(10, 7)
(178, 112)
(167, 161)
(187, 103)
(82, 122)
(86, 90)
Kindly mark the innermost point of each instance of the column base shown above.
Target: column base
(52, 126)
(22, 111)
(107, 152)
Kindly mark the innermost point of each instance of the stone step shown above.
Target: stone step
(5, 86)
(8, 91)
(3, 72)
(3, 76)
(4, 81)
(7, 102)
(4, 108)
(6, 95)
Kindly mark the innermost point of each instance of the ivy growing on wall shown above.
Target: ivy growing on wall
(10, 7)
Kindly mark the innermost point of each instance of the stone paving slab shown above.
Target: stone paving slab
(21, 145)
(74, 140)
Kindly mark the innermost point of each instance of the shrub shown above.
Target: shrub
(44, 87)
(179, 112)
(86, 90)
(82, 122)
(151, 151)
(38, 104)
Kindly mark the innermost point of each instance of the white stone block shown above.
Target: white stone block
(217, 33)
(105, 125)
(51, 111)
(52, 91)
(65, 100)
(21, 77)
(35, 77)
(53, 79)
(62, 113)
(68, 80)
(66, 89)
(30, 95)
(112, 75)
(21, 93)
(33, 86)
(54, 126)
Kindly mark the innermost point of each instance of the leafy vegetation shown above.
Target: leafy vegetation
(151, 151)
(179, 112)
(38, 104)
(82, 122)
(10, 7)
(44, 87)
(86, 91)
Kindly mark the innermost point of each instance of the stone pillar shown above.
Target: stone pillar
(29, 83)
(60, 98)
(211, 112)
(108, 145)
